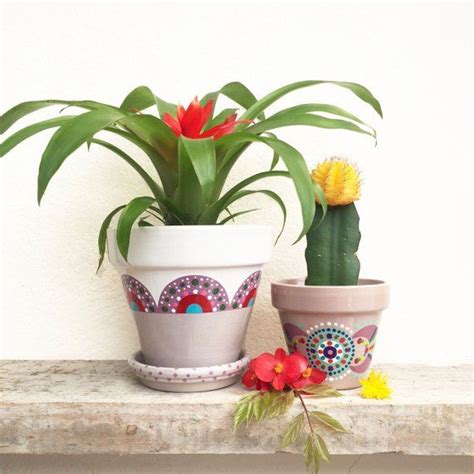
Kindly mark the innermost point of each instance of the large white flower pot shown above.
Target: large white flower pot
(191, 289)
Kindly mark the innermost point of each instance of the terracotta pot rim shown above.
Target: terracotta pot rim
(292, 295)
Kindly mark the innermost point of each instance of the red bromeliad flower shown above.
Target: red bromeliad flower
(308, 375)
(190, 122)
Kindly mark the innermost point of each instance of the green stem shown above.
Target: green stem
(308, 417)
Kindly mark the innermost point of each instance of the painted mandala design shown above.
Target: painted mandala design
(138, 297)
(330, 349)
(193, 294)
(333, 347)
(246, 294)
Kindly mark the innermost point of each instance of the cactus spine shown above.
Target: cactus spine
(332, 243)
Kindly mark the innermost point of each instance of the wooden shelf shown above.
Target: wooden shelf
(98, 407)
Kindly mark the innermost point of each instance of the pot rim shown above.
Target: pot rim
(364, 283)
(218, 227)
(293, 296)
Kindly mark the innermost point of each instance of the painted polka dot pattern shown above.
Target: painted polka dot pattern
(246, 294)
(138, 297)
(330, 348)
(193, 294)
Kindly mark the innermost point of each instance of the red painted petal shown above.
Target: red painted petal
(173, 124)
(265, 367)
(317, 376)
(280, 354)
(191, 123)
(279, 382)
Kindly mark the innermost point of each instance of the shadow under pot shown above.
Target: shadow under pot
(191, 290)
(334, 327)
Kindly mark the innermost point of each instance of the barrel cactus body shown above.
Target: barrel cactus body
(333, 241)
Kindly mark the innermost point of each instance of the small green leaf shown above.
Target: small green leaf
(129, 215)
(102, 240)
(293, 433)
(328, 420)
(243, 410)
(321, 391)
(311, 454)
(281, 404)
(322, 448)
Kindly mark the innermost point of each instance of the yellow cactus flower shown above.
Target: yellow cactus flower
(339, 180)
(375, 386)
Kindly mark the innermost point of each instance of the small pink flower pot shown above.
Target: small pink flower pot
(334, 327)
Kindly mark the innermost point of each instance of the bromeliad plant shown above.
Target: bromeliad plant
(278, 380)
(192, 151)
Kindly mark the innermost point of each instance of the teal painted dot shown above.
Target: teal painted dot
(194, 309)
(251, 302)
(134, 306)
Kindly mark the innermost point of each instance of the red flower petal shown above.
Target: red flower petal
(292, 368)
(317, 376)
(301, 383)
(249, 379)
(173, 124)
(180, 112)
(265, 367)
(191, 123)
(263, 386)
(280, 354)
(279, 382)
(300, 360)
(206, 112)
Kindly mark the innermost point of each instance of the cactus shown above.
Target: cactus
(333, 240)
(332, 245)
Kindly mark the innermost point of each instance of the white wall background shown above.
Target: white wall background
(416, 205)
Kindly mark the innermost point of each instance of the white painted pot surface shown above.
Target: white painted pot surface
(191, 289)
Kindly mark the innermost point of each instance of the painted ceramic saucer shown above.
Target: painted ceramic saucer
(195, 379)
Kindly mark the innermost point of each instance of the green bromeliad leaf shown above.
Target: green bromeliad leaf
(258, 107)
(197, 173)
(142, 98)
(69, 138)
(294, 163)
(10, 117)
(155, 132)
(133, 210)
(13, 140)
(102, 239)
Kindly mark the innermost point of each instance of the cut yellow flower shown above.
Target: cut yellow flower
(339, 180)
(375, 386)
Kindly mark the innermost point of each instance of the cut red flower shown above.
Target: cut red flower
(250, 379)
(279, 369)
(190, 122)
(308, 375)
